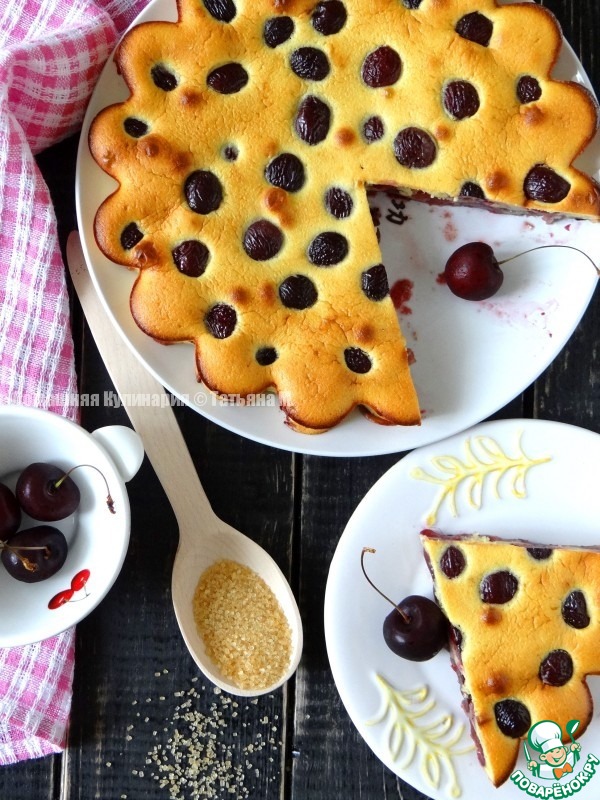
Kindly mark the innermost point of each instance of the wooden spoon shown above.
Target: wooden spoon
(203, 537)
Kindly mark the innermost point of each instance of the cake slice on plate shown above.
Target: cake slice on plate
(524, 621)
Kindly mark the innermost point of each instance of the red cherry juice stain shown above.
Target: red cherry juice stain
(411, 356)
(450, 232)
(441, 279)
(401, 293)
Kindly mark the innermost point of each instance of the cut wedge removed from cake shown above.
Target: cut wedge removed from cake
(243, 156)
(524, 620)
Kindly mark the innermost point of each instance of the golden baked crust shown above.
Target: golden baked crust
(504, 645)
(360, 92)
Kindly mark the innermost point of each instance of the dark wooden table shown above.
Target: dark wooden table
(139, 702)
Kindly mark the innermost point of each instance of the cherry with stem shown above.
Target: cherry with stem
(48, 493)
(416, 629)
(474, 273)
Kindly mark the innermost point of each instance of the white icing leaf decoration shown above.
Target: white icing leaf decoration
(484, 462)
(434, 741)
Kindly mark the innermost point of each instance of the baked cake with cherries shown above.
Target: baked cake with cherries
(524, 621)
(243, 155)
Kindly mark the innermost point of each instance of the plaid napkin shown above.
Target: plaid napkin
(51, 53)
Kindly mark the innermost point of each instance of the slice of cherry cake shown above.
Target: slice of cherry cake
(242, 157)
(524, 637)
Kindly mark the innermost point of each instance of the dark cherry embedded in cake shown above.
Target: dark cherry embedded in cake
(374, 282)
(221, 10)
(415, 148)
(203, 191)
(575, 610)
(373, 129)
(262, 240)
(135, 127)
(476, 28)
(191, 257)
(163, 78)
(498, 587)
(452, 562)
(313, 120)
(339, 202)
(310, 63)
(357, 360)
(277, 30)
(298, 291)
(266, 356)
(287, 172)
(228, 78)
(557, 668)
(327, 249)
(512, 718)
(382, 67)
(544, 184)
(461, 99)
(221, 320)
(329, 17)
(130, 236)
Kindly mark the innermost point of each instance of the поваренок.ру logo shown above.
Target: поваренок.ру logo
(548, 759)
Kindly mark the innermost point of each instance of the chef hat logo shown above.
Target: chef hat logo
(545, 736)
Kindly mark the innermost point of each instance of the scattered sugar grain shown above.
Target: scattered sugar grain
(196, 761)
(242, 624)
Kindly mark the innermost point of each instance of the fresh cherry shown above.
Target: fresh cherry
(48, 493)
(10, 513)
(34, 554)
(416, 629)
(473, 273)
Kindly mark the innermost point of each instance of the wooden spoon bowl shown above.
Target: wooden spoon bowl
(203, 538)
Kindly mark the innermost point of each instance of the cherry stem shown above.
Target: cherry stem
(109, 501)
(362, 565)
(27, 564)
(544, 247)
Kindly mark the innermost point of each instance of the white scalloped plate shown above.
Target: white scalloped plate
(470, 358)
(562, 506)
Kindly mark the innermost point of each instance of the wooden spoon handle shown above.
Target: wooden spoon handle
(147, 405)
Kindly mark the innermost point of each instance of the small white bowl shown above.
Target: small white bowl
(97, 539)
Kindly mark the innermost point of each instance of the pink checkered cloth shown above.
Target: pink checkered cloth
(51, 53)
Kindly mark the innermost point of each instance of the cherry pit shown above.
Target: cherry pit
(45, 493)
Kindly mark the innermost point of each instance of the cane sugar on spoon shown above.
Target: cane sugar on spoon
(242, 624)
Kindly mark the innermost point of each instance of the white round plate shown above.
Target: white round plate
(509, 339)
(561, 506)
